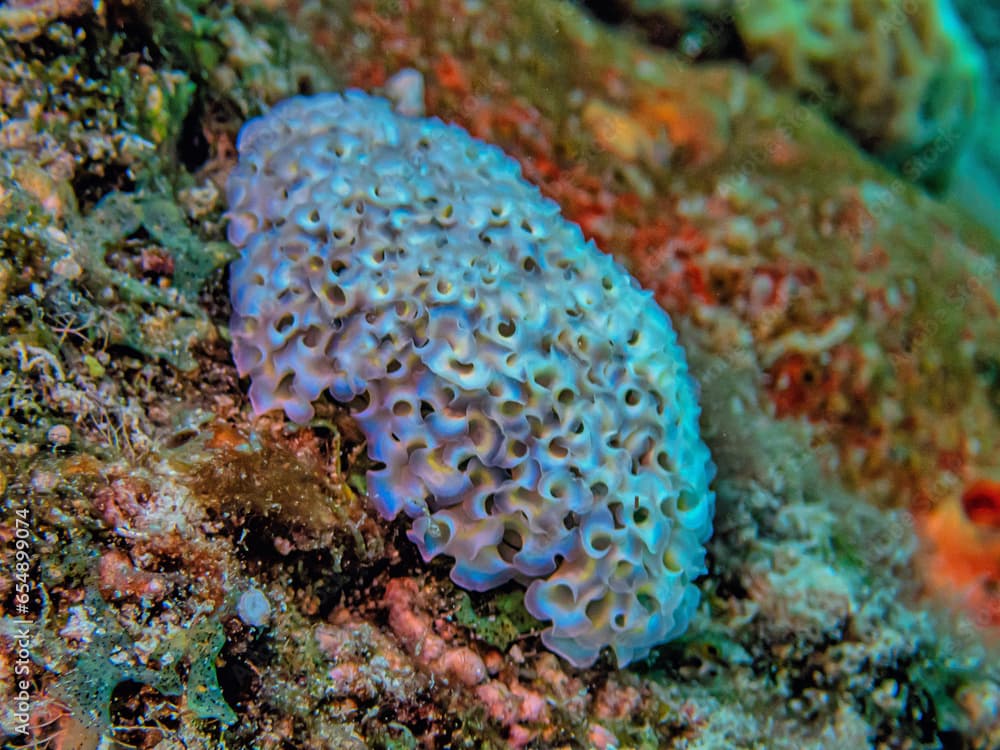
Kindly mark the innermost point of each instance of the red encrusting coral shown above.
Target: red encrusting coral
(981, 503)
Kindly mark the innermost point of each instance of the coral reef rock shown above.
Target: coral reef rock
(906, 79)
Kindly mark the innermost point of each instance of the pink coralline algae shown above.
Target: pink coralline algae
(529, 404)
(452, 664)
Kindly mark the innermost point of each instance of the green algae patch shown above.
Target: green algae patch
(499, 621)
(241, 58)
(204, 696)
(110, 658)
(129, 273)
(120, 215)
(132, 235)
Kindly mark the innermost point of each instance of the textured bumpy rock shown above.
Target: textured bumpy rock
(905, 78)
(529, 402)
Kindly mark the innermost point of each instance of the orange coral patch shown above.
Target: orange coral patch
(962, 560)
(688, 126)
(224, 436)
(451, 75)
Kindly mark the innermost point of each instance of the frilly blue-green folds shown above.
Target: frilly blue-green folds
(529, 404)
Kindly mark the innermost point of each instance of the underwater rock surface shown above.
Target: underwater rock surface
(905, 79)
(842, 326)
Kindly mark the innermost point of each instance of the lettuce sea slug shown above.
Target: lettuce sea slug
(528, 404)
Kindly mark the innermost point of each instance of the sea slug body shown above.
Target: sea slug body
(528, 404)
